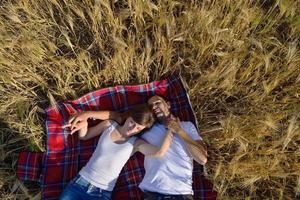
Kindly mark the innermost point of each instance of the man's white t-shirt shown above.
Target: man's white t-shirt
(172, 173)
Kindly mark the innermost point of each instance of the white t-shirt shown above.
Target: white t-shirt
(172, 173)
(107, 161)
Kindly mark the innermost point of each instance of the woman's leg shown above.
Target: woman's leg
(81, 189)
(106, 195)
(73, 191)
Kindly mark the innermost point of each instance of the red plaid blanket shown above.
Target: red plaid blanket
(66, 154)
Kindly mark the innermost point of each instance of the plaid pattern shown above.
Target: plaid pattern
(29, 165)
(66, 154)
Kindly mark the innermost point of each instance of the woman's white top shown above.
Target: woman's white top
(107, 161)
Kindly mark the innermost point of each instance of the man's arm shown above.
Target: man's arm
(197, 148)
(152, 150)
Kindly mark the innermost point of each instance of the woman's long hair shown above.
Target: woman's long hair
(141, 114)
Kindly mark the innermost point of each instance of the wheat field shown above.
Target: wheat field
(240, 59)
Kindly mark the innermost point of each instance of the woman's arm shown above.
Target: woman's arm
(86, 133)
(77, 121)
(152, 150)
(102, 115)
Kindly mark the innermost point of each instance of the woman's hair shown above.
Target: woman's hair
(141, 114)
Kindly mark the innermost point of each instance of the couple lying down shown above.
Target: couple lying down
(169, 146)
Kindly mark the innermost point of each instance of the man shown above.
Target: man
(170, 176)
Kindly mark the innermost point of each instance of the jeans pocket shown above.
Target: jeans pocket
(94, 191)
(81, 183)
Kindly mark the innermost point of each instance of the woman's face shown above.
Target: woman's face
(132, 127)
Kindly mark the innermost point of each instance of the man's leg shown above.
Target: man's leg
(158, 196)
(149, 195)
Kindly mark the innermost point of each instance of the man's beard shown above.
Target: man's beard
(161, 118)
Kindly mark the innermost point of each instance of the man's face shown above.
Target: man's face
(159, 106)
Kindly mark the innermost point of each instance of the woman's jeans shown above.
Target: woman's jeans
(81, 189)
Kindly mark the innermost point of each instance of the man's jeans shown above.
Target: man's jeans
(81, 189)
(158, 196)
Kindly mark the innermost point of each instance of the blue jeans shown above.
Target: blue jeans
(81, 189)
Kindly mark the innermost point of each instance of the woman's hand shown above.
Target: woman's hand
(77, 122)
(83, 129)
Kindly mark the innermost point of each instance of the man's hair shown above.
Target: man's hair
(160, 97)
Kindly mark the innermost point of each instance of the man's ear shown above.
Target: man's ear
(169, 104)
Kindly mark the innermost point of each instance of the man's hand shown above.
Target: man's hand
(173, 124)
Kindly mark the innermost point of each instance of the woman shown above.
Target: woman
(97, 178)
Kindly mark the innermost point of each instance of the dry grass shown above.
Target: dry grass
(240, 59)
